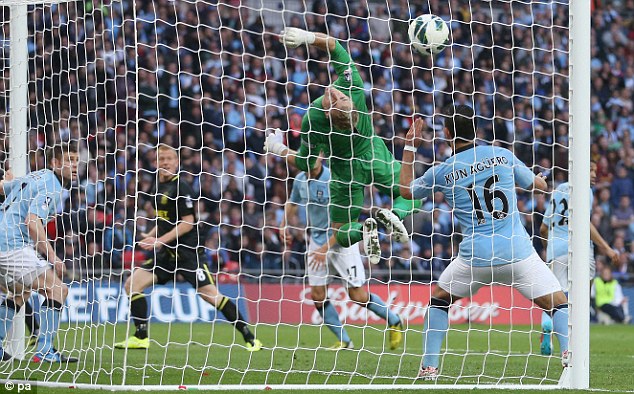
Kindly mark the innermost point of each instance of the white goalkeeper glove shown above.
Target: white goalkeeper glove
(274, 143)
(294, 37)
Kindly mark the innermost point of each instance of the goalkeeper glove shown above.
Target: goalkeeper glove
(294, 37)
(274, 143)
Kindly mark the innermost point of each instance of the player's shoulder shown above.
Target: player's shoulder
(184, 187)
(301, 177)
(493, 150)
(563, 188)
(45, 176)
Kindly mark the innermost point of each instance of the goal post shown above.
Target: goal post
(210, 78)
(18, 133)
(579, 151)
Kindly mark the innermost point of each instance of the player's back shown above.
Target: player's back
(479, 183)
(556, 218)
(38, 193)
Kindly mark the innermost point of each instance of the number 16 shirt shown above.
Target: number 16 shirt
(479, 184)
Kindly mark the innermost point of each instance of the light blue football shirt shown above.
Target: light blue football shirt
(38, 193)
(479, 184)
(315, 196)
(556, 218)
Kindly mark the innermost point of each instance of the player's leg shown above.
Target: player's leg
(28, 272)
(14, 302)
(195, 272)
(457, 281)
(532, 278)
(318, 280)
(559, 267)
(330, 317)
(386, 173)
(10, 307)
(140, 279)
(55, 292)
(31, 322)
(348, 264)
(346, 201)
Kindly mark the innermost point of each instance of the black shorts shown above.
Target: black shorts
(187, 262)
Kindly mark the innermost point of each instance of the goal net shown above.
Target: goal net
(209, 78)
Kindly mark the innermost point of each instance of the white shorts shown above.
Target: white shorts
(531, 277)
(341, 262)
(21, 266)
(559, 266)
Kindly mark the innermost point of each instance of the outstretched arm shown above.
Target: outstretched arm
(294, 37)
(413, 139)
(596, 237)
(339, 57)
(543, 231)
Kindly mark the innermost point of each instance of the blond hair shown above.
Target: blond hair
(343, 115)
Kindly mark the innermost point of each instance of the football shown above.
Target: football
(429, 34)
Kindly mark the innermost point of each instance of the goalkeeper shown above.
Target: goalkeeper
(310, 189)
(339, 125)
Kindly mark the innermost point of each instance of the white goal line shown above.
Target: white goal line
(339, 387)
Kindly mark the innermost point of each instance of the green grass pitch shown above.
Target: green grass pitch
(206, 354)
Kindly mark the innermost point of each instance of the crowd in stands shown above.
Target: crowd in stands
(210, 78)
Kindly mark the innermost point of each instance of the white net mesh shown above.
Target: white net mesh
(208, 78)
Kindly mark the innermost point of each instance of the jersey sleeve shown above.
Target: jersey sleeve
(423, 186)
(524, 177)
(8, 186)
(41, 205)
(185, 200)
(306, 155)
(346, 70)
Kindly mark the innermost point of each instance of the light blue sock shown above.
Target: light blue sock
(49, 323)
(560, 326)
(547, 322)
(7, 312)
(434, 332)
(331, 319)
(377, 305)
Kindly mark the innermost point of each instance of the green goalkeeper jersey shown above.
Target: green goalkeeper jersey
(318, 135)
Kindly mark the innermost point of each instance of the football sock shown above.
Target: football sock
(560, 325)
(232, 314)
(50, 313)
(138, 310)
(379, 308)
(30, 320)
(331, 319)
(403, 208)
(546, 320)
(8, 309)
(434, 331)
(349, 234)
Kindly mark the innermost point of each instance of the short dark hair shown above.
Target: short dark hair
(56, 151)
(461, 121)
